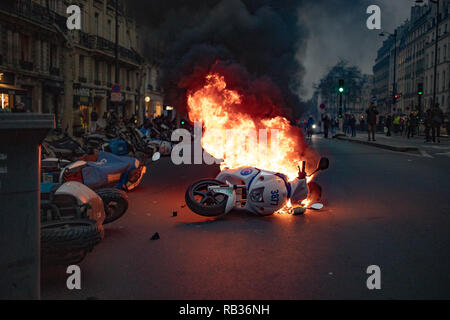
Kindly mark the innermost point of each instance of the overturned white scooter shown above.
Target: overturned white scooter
(251, 189)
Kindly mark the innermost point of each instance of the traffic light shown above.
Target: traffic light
(182, 122)
(341, 86)
(420, 89)
(340, 113)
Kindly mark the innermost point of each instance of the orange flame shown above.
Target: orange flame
(236, 137)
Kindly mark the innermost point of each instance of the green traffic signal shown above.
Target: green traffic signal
(341, 89)
(420, 93)
(182, 122)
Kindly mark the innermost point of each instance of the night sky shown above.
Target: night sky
(338, 30)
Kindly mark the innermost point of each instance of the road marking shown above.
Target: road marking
(425, 154)
(443, 154)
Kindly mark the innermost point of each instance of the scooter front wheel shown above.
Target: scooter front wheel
(204, 202)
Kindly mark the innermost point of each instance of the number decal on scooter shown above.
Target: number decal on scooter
(274, 198)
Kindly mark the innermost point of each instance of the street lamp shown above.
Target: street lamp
(437, 2)
(394, 86)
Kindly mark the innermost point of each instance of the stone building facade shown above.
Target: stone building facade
(415, 57)
(71, 72)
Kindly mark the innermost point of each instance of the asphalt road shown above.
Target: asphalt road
(381, 208)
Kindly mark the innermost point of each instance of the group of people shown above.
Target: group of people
(401, 125)
(434, 119)
(19, 107)
(398, 124)
(409, 125)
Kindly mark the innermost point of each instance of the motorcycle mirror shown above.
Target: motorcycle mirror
(324, 163)
(316, 206)
(156, 156)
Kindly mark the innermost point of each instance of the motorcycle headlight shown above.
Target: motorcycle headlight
(257, 195)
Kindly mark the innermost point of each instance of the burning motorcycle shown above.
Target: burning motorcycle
(251, 189)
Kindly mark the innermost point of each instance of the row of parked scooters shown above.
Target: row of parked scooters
(84, 185)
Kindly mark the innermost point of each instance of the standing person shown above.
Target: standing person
(326, 126)
(388, 124)
(411, 125)
(345, 124)
(437, 118)
(402, 125)
(20, 107)
(353, 125)
(427, 122)
(396, 123)
(372, 113)
(309, 127)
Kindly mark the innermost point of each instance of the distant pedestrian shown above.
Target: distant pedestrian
(427, 122)
(362, 124)
(436, 122)
(388, 124)
(402, 125)
(352, 122)
(309, 127)
(411, 126)
(20, 107)
(326, 125)
(396, 123)
(372, 113)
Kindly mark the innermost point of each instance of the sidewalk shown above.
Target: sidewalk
(394, 143)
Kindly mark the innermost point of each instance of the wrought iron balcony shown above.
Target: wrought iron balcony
(31, 10)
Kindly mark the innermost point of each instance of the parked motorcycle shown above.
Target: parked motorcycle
(248, 188)
(64, 147)
(98, 171)
(72, 217)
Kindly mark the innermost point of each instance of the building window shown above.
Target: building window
(109, 74)
(24, 48)
(437, 82)
(81, 71)
(96, 70)
(110, 35)
(53, 56)
(52, 5)
(129, 38)
(96, 24)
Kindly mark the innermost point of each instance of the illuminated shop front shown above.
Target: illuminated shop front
(10, 95)
(82, 108)
(153, 107)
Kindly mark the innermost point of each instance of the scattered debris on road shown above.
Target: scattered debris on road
(155, 236)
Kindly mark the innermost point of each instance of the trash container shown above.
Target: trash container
(20, 137)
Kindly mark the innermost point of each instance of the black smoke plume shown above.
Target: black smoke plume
(253, 43)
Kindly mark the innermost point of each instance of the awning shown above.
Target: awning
(8, 89)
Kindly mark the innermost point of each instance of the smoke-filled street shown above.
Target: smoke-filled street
(224, 155)
(381, 208)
